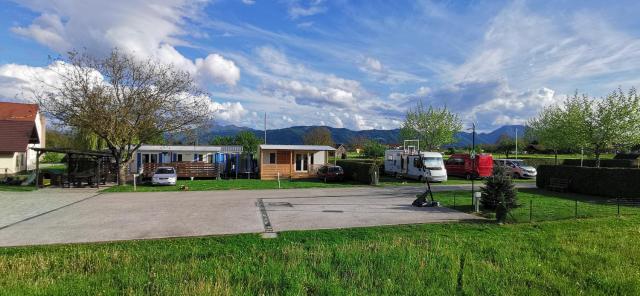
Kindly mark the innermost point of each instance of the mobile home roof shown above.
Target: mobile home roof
(297, 147)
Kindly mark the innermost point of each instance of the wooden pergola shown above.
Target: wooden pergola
(70, 153)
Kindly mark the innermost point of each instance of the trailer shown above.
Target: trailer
(411, 163)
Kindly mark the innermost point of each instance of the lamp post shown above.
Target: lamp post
(473, 161)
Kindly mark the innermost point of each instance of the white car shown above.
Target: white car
(517, 168)
(164, 176)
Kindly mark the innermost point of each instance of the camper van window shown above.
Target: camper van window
(433, 163)
(179, 157)
(272, 158)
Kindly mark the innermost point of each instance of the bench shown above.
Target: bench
(557, 184)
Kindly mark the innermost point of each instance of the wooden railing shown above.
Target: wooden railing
(186, 169)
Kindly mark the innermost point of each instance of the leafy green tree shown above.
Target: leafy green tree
(582, 121)
(222, 141)
(434, 127)
(318, 136)
(374, 149)
(248, 141)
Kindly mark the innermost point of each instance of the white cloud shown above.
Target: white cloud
(228, 112)
(372, 64)
(303, 8)
(219, 69)
(146, 29)
(249, 2)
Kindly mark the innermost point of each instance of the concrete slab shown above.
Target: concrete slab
(125, 216)
(17, 206)
(355, 209)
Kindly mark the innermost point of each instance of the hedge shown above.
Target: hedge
(607, 163)
(609, 182)
(536, 162)
(364, 172)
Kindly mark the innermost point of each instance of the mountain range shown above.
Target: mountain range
(293, 135)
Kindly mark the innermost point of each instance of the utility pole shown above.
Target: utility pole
(265, 127)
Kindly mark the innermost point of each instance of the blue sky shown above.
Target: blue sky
(353, 64)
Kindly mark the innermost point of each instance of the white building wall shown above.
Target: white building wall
(8, 163)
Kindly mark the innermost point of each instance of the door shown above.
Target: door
(302, 163)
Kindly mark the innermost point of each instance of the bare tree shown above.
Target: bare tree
(125, 101)
(318, 136)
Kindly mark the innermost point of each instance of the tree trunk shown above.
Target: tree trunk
(597, 153)
(556, 154)
(122, 173)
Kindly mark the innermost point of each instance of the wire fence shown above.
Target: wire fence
(550, 207)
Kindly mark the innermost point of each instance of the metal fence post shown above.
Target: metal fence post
(454, 200)
(530, 210)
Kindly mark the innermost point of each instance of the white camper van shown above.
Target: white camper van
(406, 163)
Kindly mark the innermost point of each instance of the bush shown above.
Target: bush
(52, 157)
(609, 182)
(499, 190)
(607, 163)
(364, 172)
(536, 162)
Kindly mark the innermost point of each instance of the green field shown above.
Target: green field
(598, 256)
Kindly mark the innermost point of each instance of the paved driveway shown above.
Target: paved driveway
(47, 217)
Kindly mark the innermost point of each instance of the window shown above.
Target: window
(149, 158)
(272, 158)
(197, 157)
(179, 157)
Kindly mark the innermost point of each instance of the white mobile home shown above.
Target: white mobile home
(178, 153)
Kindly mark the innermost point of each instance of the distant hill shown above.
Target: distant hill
(293, 135)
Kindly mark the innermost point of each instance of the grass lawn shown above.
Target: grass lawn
(239, 184)
(4, 187)
(599, 256)
(543, 205)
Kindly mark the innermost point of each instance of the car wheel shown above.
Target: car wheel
(516, 176)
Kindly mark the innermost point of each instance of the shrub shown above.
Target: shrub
(364, 172)
(609, 182)
(499, 190)
(52, 157)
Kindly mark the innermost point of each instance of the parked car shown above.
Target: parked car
(461, 165)
(517, 168)
(331, 173)
(164, 176)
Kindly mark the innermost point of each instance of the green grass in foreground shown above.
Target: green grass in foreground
(544, 205)
(17, 188)
(594, 256)
(239, 184)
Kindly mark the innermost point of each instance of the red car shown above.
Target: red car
(462, 165)
(331, 173)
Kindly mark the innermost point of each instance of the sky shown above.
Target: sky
(352, 64)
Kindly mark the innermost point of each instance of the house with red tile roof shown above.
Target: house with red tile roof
(22, 127)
